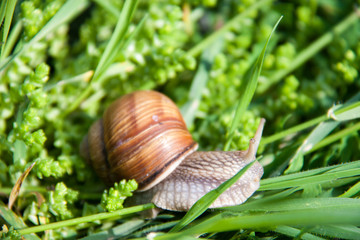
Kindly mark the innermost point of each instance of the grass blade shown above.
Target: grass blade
(247, 90)
(352, 191)
(85, 219)
(204, 44)
(316, 135)
(108, 6)
(335, 137)
(306, 203)
(12, 39)
(198, 84)
(116, 43)
(253, 205)
(265, 183)
(317, 179)
(2, 11)
(341, 213)
(338, 231)
(294, 232)
(349, 115)
(349, 112)
(67, 12)
(116, 39)
(17, 222)
(332, 113)
(9, 12)
(117, 232)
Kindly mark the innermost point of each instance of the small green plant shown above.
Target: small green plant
(114, 199)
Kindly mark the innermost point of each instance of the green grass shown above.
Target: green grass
(310, 152)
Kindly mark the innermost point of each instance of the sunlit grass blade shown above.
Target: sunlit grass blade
(312, 180)
(155, 228)
(85, 219)
(332, 113)
(117, 38)
(247, 91)
(297, 176)
(203, 203)
(109, 6)
(349, 115)
(294, 232)
(15, 33)
(341, 213)
(289, 204)
(258, 203)
(320, 132)
(204, 44)
(340, 231)
(134, 34)
(198, 84)
(9, 11)
(335, 137)
(2, 11)
(116, 43)
(117, 232)
(67, 12)
(352, 191)
(316, 135)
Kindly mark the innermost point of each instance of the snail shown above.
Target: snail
(143, 136)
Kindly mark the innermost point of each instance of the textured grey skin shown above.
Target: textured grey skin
(202, 172)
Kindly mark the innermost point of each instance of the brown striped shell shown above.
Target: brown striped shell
(141, 136)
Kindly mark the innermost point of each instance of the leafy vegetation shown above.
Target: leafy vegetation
(63, 62)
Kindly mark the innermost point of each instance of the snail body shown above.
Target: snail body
(143, 136)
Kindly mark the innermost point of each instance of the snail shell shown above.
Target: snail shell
(143, 136)
(125, 143)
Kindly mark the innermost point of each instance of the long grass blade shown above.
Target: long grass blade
(117, 38)
(117, 232)
(294, 232)
(85, 219)
(2, 11)
(265, 183)
(316, 135)
(332, 113)
(67, 12)
(108, 6)
(12, 39)
(288, 204)
(198, 84)
(341, 213)
(318, 179)
(9, 12)
(12, 219)
(352, 191)
(247, 90)
(321, 131)
(340, 231)
(116, 43)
